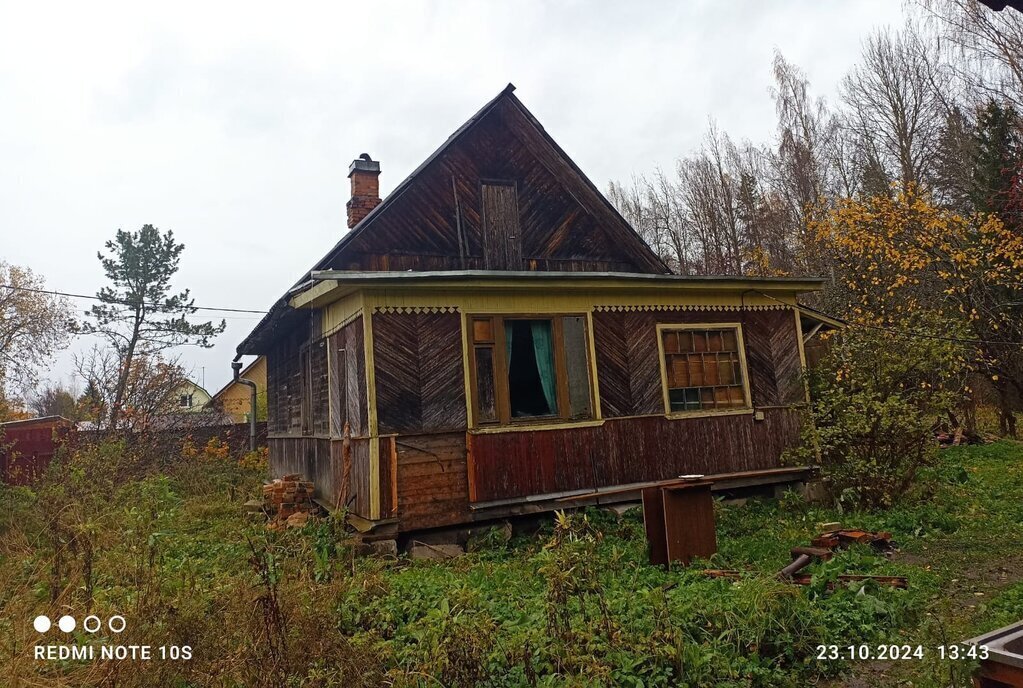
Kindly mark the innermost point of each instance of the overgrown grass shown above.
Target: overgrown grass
(576, 605)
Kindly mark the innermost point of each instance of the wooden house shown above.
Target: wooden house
(496, 337)
(234, 400)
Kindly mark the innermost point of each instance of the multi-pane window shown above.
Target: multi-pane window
(525, 368)
(703, 368)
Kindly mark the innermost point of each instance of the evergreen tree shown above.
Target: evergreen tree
(139, 315)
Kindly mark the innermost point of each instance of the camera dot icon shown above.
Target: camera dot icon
(41, 624)
(66, 624)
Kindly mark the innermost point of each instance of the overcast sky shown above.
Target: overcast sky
(234, 125)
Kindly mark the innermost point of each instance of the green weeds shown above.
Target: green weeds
(577, 605)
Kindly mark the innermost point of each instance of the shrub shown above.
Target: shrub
(876, 398)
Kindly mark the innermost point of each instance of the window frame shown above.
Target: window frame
(743, 368)
(502, 397)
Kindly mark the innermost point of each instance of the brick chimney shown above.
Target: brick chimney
(365, 175)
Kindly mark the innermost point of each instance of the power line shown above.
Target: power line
(123, 303)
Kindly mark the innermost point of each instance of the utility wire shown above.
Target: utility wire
(124, 303)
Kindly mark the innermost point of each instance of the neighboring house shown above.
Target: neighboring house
(188, 398)
(235, 399)
(496, 337)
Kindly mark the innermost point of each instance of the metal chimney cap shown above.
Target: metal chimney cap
(364, 163)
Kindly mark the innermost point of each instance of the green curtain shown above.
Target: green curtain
(544, 350)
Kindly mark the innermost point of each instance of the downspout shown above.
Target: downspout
(236, 366)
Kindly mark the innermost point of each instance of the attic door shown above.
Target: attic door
(502, 243)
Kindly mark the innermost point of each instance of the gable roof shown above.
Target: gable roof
(583, 191)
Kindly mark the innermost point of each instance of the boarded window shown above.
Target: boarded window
(528, 368)
(703, 369)
(502, 244)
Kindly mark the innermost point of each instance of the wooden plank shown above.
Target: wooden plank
(393, 475)
(502, 238)
(653, 524)
(688, 519)
(626, 451)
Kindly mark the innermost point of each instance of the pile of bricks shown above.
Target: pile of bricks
(287, 496)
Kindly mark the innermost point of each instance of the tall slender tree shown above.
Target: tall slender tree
(138, 314)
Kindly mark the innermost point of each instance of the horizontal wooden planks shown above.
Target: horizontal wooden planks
(432, 485)
(624, 451)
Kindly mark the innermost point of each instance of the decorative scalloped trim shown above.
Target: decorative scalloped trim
(415, 309)
(692, 307)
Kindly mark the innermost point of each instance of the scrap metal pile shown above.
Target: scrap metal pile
(823, 548)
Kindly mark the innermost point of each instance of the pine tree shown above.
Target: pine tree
(139, 315)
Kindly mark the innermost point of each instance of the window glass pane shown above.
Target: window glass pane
(485, 400)
(577, 367)
(678, 375)
(726, 374)
(736, 396)
(532, 382)
(705, 373)
(671, 343)
(729, 341)
(695, 371)
(714, 341)
(482, 330)
(710, 369)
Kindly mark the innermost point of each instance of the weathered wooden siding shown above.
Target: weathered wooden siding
(307, 456)
(284, 386)
(348, 349)
(432, 482)
(419, 373)
(564, 223)
(628, 363)
(314, 451)
(620, 452)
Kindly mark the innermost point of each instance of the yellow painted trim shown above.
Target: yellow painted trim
(315, 296)
(565, 301)
(592, 354)
(402, 281)
(683, 415)
(802, 354)
(339, 313)
(470, 416)
(535, 427)
(740, 342)
(371, 404)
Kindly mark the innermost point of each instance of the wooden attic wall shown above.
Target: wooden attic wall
(419, 230)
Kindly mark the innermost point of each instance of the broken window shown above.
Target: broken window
(704, 368)
(528, 368)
